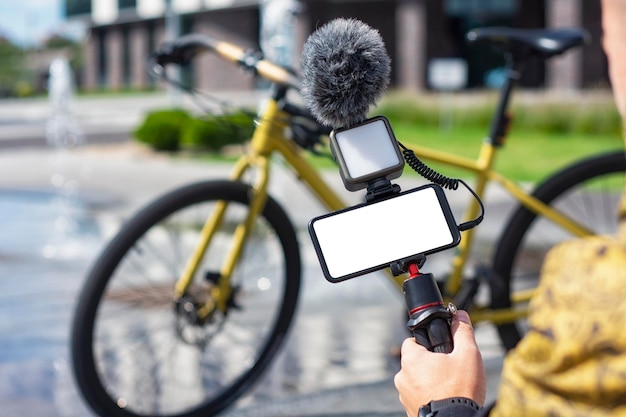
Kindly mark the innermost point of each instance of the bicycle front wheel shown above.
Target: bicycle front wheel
(588, 192)
(139, 351)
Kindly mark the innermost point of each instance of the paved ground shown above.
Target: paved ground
(58, 207)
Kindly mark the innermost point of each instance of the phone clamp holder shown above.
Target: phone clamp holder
(381, 188)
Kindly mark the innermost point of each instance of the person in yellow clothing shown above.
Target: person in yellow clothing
(572, 361)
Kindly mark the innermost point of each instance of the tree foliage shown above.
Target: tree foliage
(12, 64)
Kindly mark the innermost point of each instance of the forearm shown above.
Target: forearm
(614, 33)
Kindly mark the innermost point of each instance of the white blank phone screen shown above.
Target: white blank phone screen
(381, 233)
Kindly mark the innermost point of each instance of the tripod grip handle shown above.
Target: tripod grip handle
(440, 336)
(421, 338)
(429, 320)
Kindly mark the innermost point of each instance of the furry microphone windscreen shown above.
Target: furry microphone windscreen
(345, 69)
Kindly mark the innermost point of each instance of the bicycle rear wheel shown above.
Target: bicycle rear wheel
(136, 351)
(589, 192)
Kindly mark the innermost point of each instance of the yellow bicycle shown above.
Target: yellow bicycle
(187, 305)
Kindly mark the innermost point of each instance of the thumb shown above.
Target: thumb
(462, 329)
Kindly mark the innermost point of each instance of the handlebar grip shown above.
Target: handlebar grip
(266, 69)
(277, 74)
(182, 50)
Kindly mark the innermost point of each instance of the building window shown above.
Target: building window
(77, 7)
(150, 45)
(187, 72)
(486, 8)
(126, 4)
(101, 66)
(126, 70)
(485, 66)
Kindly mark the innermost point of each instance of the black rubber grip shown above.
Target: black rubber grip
(428, 318)
(440, 336)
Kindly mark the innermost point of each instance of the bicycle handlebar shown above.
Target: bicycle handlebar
(182, 50)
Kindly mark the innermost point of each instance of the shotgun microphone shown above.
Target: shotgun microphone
(345, 70)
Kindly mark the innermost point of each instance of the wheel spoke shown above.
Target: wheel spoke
(588, 192)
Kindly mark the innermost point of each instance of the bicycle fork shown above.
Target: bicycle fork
(222, 292)
(271, 124)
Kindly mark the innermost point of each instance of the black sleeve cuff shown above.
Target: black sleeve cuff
(450, 407)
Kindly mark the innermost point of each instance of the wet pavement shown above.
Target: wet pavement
(57, 209)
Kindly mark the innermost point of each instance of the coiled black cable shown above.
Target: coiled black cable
(445, 182)
(427, 172)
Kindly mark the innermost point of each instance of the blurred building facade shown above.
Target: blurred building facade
(417, 33)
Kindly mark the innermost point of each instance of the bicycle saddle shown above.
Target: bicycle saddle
(543, 43)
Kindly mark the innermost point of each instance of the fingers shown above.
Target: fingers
(462, 329)
(425, 375)
(462, 316)
(411, 347)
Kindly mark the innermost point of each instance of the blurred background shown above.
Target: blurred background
(107, 40)
(74, 163)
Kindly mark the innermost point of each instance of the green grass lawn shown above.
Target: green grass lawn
(548, 132)
(526, 156)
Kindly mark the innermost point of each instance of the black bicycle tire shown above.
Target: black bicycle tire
(83, 362)
(522, 219)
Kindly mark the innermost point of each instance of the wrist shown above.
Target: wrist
(458, 406)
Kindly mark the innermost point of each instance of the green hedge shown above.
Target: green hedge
(585, 114)
(173, 129)
(212, 133)
(162, 129)
(176, 129)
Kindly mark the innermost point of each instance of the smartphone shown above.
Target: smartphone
(371, 236)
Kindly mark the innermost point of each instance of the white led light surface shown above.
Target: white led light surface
(367, 148)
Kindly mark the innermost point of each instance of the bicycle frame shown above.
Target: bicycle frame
(269, 138)
(482, 170)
